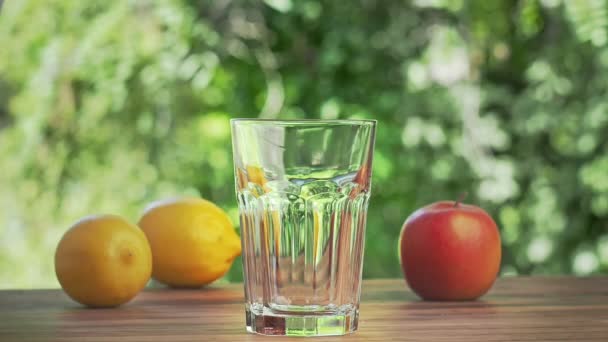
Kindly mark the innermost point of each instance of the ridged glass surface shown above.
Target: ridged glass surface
(303, 226)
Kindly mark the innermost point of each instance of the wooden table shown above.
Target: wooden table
(517, 309)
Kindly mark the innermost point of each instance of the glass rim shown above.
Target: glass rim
(261, 121)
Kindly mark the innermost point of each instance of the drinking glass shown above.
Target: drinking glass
(303, 188)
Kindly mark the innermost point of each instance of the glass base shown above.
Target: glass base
(267, 322)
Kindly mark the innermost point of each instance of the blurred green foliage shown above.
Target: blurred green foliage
(107, 105)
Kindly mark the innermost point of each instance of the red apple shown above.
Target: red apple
(450, 251)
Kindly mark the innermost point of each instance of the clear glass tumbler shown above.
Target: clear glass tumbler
(302, 188)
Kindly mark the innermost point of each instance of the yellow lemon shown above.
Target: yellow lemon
(256, 175)
(193, 241)
(103, 261)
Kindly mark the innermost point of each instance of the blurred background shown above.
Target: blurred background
(108, 105)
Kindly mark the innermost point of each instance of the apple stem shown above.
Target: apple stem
(461, 198)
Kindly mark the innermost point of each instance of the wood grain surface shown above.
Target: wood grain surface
(517, 309)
